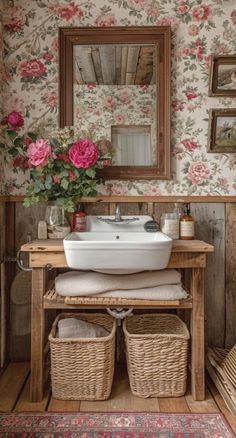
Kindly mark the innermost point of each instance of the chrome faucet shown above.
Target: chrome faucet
(117, 214)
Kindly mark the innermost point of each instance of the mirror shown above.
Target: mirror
(117, 81)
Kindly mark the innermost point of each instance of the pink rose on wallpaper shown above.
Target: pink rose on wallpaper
(138, 5)
(191, 94)
(190, 145)
(124, 97)
(183, 7)
(153, 11)
(177, 105)
(38, 152)
(198, 172)
(83, 153)
(223, 183)
(21, 162)
(193, 30)
(48, 56)
(51, 99)
(233, 16)
(119, 118)
(32, 68)
(14, 120)
(14, 18)
(55, 45)
(106, 20)
(110, 102)
(152, 191)
(169, 21)
(201, 12)
(67, 11)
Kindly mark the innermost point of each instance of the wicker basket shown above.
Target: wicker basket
(156, 350)
(83, 368)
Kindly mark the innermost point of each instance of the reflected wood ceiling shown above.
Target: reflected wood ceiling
(114, 65)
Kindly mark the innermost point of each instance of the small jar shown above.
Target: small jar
(170, 225)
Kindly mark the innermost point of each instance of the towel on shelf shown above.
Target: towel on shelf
(84, 283)
(165, 292)
(77, 328)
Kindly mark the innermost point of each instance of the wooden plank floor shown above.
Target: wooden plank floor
(14, 397)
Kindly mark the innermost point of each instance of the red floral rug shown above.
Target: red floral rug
(114, 425)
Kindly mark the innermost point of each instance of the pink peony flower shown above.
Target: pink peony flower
(38, 152)
(106, 20)
(198, 172)
(201, 13)
(83, 153)
(14, 18)
(48, 56)
(31, 68)
(189, 144)
(14, 120)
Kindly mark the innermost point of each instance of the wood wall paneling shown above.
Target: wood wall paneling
(210, 227)
(230, 272)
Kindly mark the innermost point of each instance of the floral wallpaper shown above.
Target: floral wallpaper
(101, 106)
(199, 28)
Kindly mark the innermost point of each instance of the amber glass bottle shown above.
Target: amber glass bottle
(186, 224)
(79, 219)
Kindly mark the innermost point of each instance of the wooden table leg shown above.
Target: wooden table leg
(197, 330)
(37, 334)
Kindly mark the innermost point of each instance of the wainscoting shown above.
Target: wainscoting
(215, 223)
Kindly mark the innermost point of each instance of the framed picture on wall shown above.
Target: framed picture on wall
(222, 130)
(222, 76)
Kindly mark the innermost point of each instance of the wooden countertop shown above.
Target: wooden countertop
(51, 245)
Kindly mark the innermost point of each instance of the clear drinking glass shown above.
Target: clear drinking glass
(54, 215)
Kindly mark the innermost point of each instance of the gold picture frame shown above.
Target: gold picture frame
(222, 76)
(222, 130)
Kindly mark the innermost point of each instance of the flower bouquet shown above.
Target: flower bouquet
(62, 166)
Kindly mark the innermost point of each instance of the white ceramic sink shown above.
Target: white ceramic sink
(117, 247)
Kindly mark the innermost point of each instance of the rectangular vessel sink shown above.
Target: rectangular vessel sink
(117, 248)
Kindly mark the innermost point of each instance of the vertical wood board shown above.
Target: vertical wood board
(230, 272)
(210, 227)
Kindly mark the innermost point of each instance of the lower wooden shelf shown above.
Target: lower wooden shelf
(52, 300)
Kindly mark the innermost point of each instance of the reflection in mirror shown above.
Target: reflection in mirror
(117, 82)
(120, 80)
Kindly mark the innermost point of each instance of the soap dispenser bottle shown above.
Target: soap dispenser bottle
(186, 224)
(79, 219)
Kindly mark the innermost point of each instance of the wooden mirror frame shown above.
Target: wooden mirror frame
(157, 35)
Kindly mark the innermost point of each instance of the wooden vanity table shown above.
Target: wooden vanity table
(49, 254)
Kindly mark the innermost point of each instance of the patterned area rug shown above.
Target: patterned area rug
(114, 425)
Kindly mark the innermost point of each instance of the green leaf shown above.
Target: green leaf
(32, 135)
(48, 182)
(90, 172)
(12, 135)
(2, 146)
(64, 183)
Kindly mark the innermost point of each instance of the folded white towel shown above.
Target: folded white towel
(84, 283)
(165, 292)
(77, 328)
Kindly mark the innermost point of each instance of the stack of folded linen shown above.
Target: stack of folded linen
(152, 285)
(77, 328)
